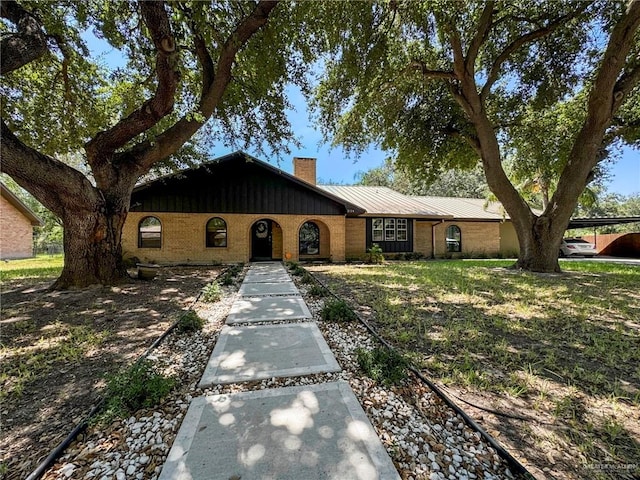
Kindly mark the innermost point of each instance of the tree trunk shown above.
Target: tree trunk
(92, 250)
(539, 247)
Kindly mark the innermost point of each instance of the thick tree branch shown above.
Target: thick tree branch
(28, 44)
(519, 42)
(604, 100)
(172, 139)
(55, 184)
(627, 81)
(428, 73)
(153, 110)
(482, 32)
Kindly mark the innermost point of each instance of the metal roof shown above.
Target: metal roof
(384, 201)
(600, 222)
(466, 208)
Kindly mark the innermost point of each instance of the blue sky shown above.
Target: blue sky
(334, 167)
(332, 164)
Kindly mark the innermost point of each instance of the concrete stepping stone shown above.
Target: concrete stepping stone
(305, 432)
(268, 288)
(266, 277)
(265, 309)
(256, 352)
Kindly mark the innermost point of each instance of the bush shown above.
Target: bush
(211, 292)
(189, 322)
(337, 311)
(318, 291)
(374, 255)
(298, 270)
(413, 256)
(307, 278)
(139, 386)
(383, 365)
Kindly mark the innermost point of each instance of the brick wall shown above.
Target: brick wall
(305, 169)
(422, 238)
(183, 237)
(477, 238)
(16, 232)
(356, 237)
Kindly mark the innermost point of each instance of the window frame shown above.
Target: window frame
(402, 226)
(317, 239)
(206, 234)
(389, 227)
(141, 240)
(447, 238)
(379, 230)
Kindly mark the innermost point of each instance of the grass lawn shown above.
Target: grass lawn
(562, 351)
(42, 266)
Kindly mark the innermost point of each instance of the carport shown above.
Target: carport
(630, 244)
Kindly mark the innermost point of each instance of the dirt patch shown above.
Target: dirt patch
(56, 347)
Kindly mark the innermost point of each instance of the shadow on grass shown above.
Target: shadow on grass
(549, 342)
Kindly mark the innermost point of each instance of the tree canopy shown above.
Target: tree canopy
(183, 63)
(444, 84)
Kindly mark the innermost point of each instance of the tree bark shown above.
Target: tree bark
(93, 216)
(92, 250)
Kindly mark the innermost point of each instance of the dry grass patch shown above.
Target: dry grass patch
(559, 352)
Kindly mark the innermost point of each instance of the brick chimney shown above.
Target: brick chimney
(305, 169)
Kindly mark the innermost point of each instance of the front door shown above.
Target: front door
(261, 241)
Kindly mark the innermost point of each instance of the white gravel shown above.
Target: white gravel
(424, 437)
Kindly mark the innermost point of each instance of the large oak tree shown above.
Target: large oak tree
(182, 63)
(443, 83)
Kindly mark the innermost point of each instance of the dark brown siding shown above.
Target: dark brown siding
(232, 186)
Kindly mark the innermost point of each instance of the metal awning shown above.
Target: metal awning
(600, 222)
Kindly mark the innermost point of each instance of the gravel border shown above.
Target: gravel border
(424, 437)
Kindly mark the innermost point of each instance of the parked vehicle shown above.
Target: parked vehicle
(577, 247)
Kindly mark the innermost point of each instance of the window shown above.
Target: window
(454, 239)
(377, 229)
(401, 229)
(149, 233)
(309, 239)
(389, 229)
(216, 232)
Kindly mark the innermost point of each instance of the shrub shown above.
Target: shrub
(413, 256)
(318, 291)
(382, 365)
(307, 278)
(337, 311)
(139, 386)
(211, 292)
(298, 270)
(374, 255)
(189, 321)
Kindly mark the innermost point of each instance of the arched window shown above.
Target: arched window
(454, 239)
(309, 239)
(216, 232)
(149, 233)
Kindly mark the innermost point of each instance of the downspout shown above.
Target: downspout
(433, 237)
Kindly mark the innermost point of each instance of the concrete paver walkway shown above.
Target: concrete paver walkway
(264, 309)
(256, 352)
(305, 432)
